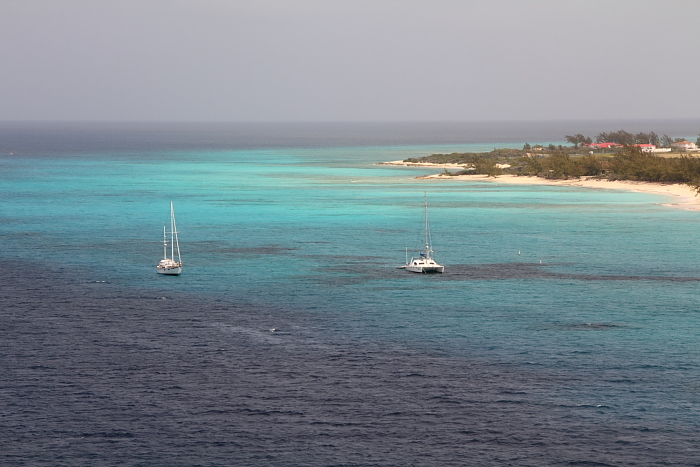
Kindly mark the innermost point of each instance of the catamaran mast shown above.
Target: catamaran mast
(428, 241)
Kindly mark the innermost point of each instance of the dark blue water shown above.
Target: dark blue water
(24, 138)
(588, 358)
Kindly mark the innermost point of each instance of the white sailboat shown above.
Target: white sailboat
(169, 265)
(425, 262)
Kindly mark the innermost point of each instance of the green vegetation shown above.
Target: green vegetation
(560, 166)
(578, 139)
(556, 162)
(626, 139)
(633, 164)
(496, 155)
(629, 163)
(564, 162)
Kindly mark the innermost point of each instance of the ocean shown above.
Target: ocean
(564, 331)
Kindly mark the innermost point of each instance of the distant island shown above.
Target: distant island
(618, 155)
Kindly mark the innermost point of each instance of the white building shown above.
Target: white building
(646, 147)
(652, 148)
(685, 145)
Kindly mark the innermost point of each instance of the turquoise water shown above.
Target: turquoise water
(595, 289)
(266, 223)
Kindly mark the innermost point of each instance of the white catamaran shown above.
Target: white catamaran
(425, 262)
(169, 265)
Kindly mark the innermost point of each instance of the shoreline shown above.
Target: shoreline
(684, 197)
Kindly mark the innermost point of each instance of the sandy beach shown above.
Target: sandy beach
(426, 165)
(682, 196)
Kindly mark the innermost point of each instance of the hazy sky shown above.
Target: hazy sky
(357, 60)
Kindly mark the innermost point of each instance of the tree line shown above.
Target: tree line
(626, 138)
(629, 163)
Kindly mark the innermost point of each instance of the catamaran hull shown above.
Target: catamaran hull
(169, 271)
(424, 264)
(426, 269)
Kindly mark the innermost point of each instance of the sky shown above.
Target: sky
(348, 60)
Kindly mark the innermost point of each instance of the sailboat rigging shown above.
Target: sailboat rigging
(168, 265)
(425, 262)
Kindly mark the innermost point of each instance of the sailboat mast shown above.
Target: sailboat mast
(165, 245)
(172, 234)
(427, 227)
(177, 242)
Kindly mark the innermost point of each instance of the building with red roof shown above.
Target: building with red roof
(646, 147)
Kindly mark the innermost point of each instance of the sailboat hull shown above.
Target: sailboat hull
(171, 271)
(169, 267)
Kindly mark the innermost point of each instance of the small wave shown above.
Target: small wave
(590, 463)
(268, 336)
(582, 326)
(592, 406)
(108, 434)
